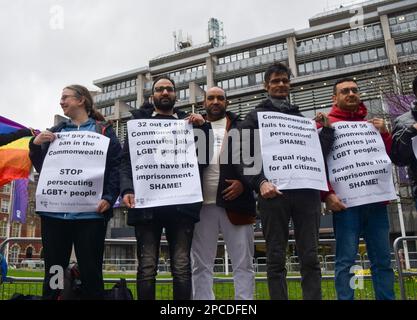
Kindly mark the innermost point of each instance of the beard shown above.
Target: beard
(219, 114)
(164, 104)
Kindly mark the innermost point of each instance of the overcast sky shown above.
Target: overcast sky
(48, 44)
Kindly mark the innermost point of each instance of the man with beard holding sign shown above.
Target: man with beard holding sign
(277, 207)
(178, 220)
(369, 220)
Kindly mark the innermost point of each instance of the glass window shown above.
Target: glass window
(364, 56)
(3, 228)
(246, 55)
(221, 60)
(225, 84)
(356, 58)
(240, 56)
(259, 52)
(316, 66)
(118, 86)
(332, 63)
(266, 50)
(123, 84)
(238, 82)
(280, 47)
(373, 55)
(273, 48)
(414, 45)
(231, 83)
(309, 67)
(4, 205)
(399, 48)
(324, 64)
(227, 59)
(407, 47)
(233, 58)
(381, 53)
(245, 81)
(301, 69)
(258, 78)
(348, 59)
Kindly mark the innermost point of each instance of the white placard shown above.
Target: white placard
(72, 174)
(164, 163)
(360, 170)
(291, 152)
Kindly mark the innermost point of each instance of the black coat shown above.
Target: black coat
(402, 153)
(231, 171)
(146, 215)
(251, 122)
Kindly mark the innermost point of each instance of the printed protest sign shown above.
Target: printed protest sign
(291, 152)
(164, 163)
(360, 170)
(72, 174)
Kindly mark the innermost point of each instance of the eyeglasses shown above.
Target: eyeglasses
(354, 90)
(161, 89)
(63, 98)
(220, 98)
(277, 81)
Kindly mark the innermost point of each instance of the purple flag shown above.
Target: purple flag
(20, 200)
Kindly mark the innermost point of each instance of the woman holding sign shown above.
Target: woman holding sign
(78, 160)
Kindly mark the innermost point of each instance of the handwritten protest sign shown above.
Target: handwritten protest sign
(291, 152)
(164, 163)
(360, 170)
(72, 174)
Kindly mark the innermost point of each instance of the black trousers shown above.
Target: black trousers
(179, 233)
(303, 206)
(87, 236)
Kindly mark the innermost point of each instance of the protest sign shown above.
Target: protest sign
(164, 163)
(291, 152)
(72, 174)
(360, 170)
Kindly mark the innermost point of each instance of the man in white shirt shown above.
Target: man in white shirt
(228, 207)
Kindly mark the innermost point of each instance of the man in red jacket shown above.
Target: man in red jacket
(369, 220)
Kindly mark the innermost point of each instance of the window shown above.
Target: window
(240, 56)
(30, 231)
(301, 69)
(231, 83)
(332, 63)
(3, 229)
(309, 67)
(245, 81)
(381, 53)
(373, 55)
(225, 84)
(266, 50)
(364, 56)
(221, 60)
(258, 78)
(14, 254)
(233, 58)
(246, 55)
(324, 64)
(6, 188)
(356, 58)
(238, 82)
(227, 59)
(316, 66)
(259, 52)
(5, 205)
(16, 228)
(348, 59)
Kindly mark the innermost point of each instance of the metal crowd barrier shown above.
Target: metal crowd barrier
(399, 263)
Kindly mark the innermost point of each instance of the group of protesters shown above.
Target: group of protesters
(232, 192)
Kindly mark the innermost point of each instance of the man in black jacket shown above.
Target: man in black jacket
(229, 206)
(402, 153)
(277, 207)
(178, 220)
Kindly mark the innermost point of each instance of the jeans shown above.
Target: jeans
(179, 233)
(87, 236)
(371, 222)
(303, 206)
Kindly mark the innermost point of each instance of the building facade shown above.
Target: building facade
(374, 42)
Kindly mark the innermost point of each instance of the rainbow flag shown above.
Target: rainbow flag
(14, 157)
